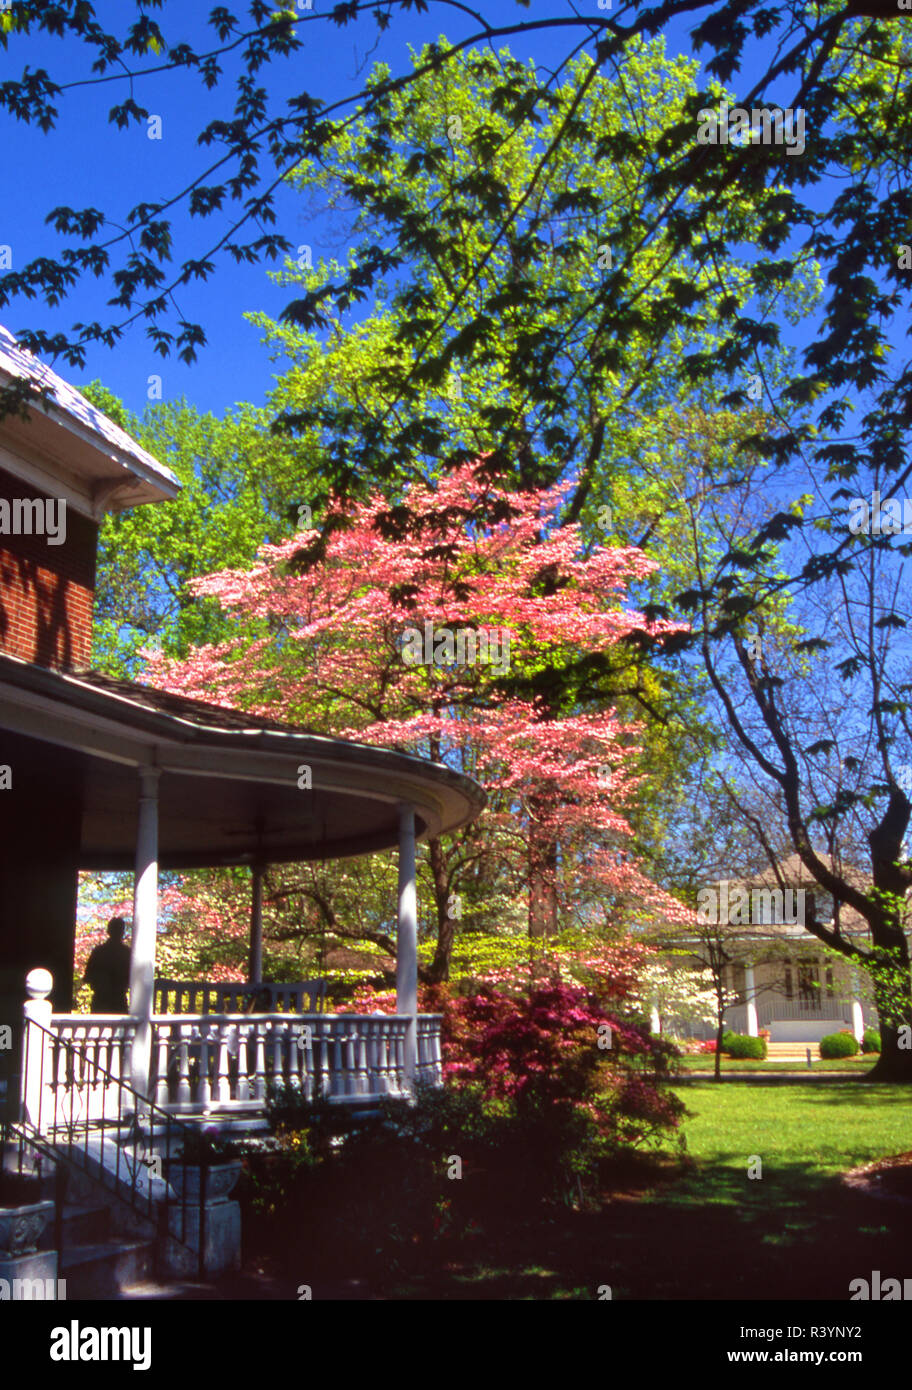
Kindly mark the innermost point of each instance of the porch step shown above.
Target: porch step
(103, 1269)
(792, 1051)
(85, 1224)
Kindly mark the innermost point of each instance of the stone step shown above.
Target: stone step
(86, 1224)
(778, 1051)
(103, 1269)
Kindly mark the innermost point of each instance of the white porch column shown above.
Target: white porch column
(655, 1022)
(750, 998)
(255, 964)
(858, 1026)
(145, 922)
(407, 940)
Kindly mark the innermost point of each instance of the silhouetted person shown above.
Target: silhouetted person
(108, 971)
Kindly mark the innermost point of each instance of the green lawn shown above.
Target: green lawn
(698, 1227)
(859, 1064)
(804, 1133)
(708, 1231)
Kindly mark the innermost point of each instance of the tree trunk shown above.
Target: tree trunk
(717, 1069)
(439, 969)
(895, 1060)
(542, 884)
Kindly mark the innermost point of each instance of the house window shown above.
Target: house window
(789, 988)
(808, 990)
(831, 992)
(739, 982)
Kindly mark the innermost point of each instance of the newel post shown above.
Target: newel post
(407, 942)
(37, 1054)
(145, 925)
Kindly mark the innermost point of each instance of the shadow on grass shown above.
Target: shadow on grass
(800, 1238)
(673, 1231)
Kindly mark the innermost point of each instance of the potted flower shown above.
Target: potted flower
(206, 1169)
(23, 1214)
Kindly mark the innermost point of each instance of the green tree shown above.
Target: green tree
(240, 488)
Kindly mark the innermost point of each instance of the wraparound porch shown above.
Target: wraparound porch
(218, 1064)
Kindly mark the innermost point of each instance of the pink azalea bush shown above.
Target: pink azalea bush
(556, 1043)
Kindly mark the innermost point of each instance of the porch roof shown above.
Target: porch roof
(229, 789)
(67, 440)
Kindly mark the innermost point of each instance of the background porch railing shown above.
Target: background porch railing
(199, 997)
(784, 1010)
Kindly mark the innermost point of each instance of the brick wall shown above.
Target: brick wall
(47, 591)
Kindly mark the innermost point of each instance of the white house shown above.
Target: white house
(780, 977)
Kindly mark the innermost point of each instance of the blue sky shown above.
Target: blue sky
(87, 161)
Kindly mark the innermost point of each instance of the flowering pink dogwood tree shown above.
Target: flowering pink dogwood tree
(421, 627)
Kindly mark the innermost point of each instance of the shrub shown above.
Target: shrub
(727, 1037)
(742, 1045)
(380, 1197)
(871, 1040)
(708, 1045)
(557, 1046)
(543, 1090)
(838, 1045)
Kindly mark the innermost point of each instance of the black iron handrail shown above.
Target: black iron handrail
(136, 1119)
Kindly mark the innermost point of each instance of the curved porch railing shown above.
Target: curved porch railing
(220, 1061)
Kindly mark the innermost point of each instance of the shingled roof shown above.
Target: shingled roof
(201, 712)
(17, 365)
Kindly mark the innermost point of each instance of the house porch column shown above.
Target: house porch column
(255, 963)
(407, 941)
(858, 1026)
(750, 1002)
(145, 924)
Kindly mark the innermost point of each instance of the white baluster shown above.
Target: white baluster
(323, 1063)
(223, 1085)
(362, 1085)
(307, 1060)
(278, 1065)
(337, 1073)
(183, 1073)
(437, 1054)
(243, 1082)
(259, 1064)
(61, 1095)
(204, 1089)
(161, 1085)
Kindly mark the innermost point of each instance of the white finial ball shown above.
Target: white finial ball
(39, 983)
